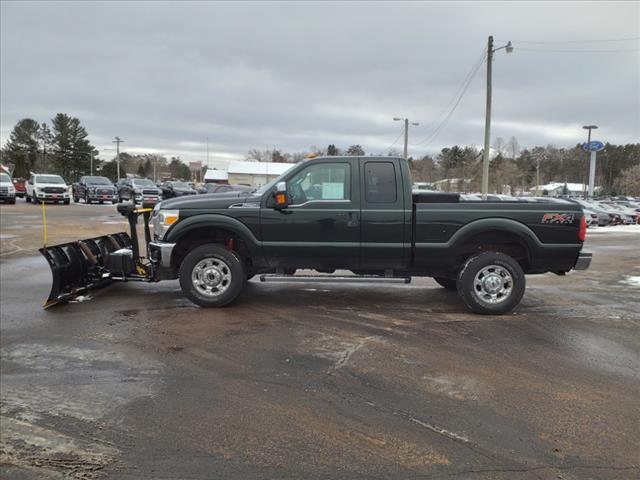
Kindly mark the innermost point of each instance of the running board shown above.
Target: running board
(332, 278)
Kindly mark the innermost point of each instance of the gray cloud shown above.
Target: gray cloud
(167, 76)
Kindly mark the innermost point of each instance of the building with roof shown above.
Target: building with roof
(216, 176)
(557, 189)
(255, 174)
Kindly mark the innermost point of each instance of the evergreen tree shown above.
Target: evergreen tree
(179, 170)
(71, 148)
(332, 151)
(22, 147)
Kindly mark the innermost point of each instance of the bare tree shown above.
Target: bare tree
(499, 146)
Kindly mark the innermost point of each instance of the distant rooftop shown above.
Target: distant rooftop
(259, 168)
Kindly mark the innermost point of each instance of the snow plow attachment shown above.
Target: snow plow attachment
(83, 265)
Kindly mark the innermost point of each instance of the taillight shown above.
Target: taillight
(582, 232)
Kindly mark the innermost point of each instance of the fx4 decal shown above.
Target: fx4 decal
(558, 218)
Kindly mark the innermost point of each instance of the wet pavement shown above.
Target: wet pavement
(344, 381)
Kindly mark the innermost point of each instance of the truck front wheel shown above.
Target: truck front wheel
(212, 275)
(491, 283)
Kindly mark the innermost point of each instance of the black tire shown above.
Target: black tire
(86, 199)
(67, 202)
(225, 262)
(12, 202)
(498, 298)
(35, 200)
(76, 199)
(448, 283)
(113, 202)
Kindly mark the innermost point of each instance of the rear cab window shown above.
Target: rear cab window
(380, 182)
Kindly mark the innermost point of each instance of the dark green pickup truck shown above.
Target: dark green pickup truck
(360, 215)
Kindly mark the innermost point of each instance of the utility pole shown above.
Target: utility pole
(592, 160)
(487, 120)
(91, 164)
(207, 152)
(118, 141)
(487, 123)
(406, 133)
(538, 174)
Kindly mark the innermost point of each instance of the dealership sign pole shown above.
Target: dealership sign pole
(593, 147)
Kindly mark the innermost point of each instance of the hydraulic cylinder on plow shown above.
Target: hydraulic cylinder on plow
(83, 265)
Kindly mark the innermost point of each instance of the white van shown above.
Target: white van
(47, 188)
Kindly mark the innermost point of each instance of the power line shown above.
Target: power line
(576, 51)
(398, 138)
(456, 100)
(606, 40)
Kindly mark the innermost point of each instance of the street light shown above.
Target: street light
(406, 132)
(487, 122)
(118, 141)
(592, 159)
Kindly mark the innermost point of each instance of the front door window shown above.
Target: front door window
(322, 182)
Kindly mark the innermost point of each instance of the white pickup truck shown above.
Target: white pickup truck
(47, 188)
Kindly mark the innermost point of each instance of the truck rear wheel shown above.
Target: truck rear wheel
(212, 275)
(491, 283)
(448, 283)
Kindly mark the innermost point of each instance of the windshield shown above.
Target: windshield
(181, 185)
(143, 182)
(4, 178)
(50, 179)
(97, 181)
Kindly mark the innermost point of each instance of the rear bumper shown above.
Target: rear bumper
(583, 262)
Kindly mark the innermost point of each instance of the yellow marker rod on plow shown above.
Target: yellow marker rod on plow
(44, 224)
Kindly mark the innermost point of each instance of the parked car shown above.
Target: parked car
(47, 188)
(176, 188)
(20, 184)
(223, 188)
(591, 218)
(7, 190)
(138, 190)
(94, 189)
(604, 217)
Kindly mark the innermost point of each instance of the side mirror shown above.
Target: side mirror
(280, 195)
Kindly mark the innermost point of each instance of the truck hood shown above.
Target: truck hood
(214, 201)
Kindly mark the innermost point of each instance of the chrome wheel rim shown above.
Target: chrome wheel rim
(211, 277)
(493, 284)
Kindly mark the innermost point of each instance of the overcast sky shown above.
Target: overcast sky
(167, 76)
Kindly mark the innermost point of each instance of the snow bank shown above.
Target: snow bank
(615, 229)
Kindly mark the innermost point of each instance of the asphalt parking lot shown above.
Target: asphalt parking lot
(311, 381)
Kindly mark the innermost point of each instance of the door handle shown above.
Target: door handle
(352, 219)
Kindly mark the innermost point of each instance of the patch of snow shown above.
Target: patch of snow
(80, 299)
(633, 281)
(615, 229)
